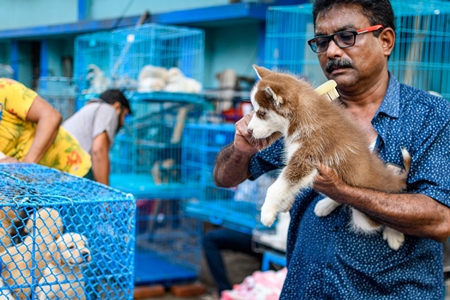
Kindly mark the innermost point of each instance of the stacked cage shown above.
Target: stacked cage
(158, 58)
(160, 69)
(92, 65)
(418, 58)
(60, 92)
(236, 208)
(64, 236)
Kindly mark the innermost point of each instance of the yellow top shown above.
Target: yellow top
(17, 134)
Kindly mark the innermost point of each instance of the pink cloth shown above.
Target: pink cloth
(259, 286)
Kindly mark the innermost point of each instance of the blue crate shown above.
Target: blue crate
(168, 241)
(51, 204)
(146, 155)
(60, 92)
(156, 45)
(419, 57)
(236, 208)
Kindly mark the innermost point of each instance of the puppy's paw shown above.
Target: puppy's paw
(394, 238)
(325, 206)
(268, 215)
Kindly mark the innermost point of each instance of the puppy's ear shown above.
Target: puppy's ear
(278, 100)
(51, 251)
(261, 71)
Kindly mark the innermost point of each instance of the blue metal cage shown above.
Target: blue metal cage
(64, 236)
(146, 155)
(154, 53)
(236, 208)
(167, 241)
(60, 92)
(92, 62)
(418, 59)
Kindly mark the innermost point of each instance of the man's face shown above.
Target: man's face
(355, 65)
(123, 113)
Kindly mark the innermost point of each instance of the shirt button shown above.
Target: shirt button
(335, 228)
(328, 265)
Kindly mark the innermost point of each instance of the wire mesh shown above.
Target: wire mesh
(418, 58)
(92, 62)
(60, 92)
(166, 240)
(146, 155)
(64, 236)
(156, 57)
(236, 208)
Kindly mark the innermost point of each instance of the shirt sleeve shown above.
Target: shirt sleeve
(18, 98)
(267, 160)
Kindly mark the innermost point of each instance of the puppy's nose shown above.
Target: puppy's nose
(250, 131)
(86, 256)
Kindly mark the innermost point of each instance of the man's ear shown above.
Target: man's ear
(117, 106)
(278, 100)
(261, 71)
(387, 38)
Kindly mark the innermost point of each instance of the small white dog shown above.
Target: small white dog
(98, 82)
(63, 278)
(152, 79)
(177, 82)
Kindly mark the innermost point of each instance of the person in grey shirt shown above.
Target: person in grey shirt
(95, 125)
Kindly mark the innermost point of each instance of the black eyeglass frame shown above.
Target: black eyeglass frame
(313, 45)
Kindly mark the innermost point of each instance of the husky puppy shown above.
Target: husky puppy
(317, 130)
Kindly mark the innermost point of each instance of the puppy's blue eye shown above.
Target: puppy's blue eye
(261, 114)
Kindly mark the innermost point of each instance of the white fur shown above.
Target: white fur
(152, 79)
(63, 278)
(5, 293)
(281, 196)
(98, 82)
(177, 82)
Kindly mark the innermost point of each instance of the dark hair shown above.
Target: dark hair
(376, 11)
(112, 96)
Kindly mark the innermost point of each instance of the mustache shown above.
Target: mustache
(336, 64)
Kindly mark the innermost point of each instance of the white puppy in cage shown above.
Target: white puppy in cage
(177, 82)
(152, 79)
(98, 82)
(63, 278)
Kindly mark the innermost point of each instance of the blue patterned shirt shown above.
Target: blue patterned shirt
(326, 260)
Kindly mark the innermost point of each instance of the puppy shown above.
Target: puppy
(317, 130)
(63, 278)
(24, 262)
(177, 82)
(98, 82)
(9, 219)
(152, 79)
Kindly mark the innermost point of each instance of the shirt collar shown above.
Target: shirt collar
(391, 102)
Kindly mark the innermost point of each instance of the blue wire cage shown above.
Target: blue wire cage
(236, 208)
(60, 92)
(92, 62)
(54, 223)
(418, 59)
(147, 54)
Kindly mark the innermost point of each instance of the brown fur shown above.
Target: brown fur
(325, 132)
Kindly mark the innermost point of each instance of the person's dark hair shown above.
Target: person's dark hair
(112, 96)
(376, 11)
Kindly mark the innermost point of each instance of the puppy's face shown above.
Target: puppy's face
(71, 249)
(270, 107)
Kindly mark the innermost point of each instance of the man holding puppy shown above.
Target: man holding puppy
(325, 259)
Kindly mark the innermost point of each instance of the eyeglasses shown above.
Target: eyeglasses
(343, 39)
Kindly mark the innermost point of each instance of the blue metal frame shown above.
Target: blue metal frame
(44, 58)
(206, 14)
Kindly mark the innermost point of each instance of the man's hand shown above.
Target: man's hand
(243, 141)
(328, 181)
(8, 160)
